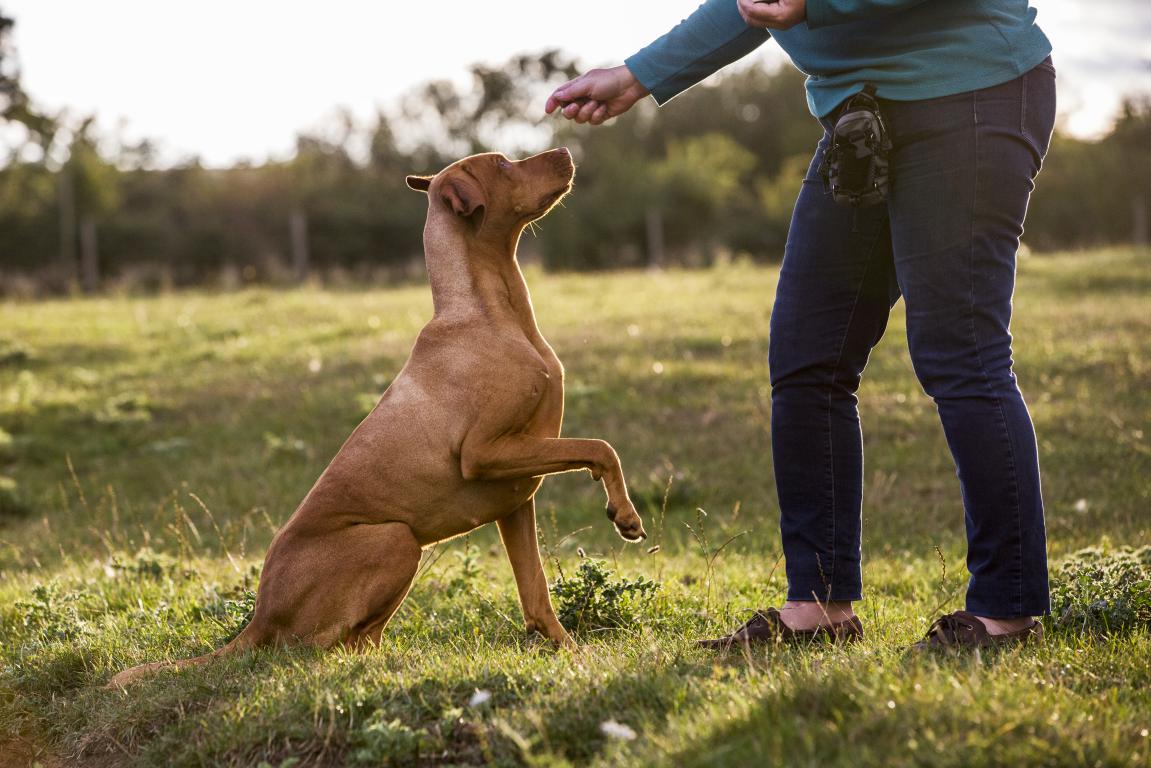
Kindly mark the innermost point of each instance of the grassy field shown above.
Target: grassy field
(150, 447)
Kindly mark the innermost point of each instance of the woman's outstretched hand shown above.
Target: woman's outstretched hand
(597, 95)
(773, 14)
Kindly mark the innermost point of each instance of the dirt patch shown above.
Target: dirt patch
(21, 753)
(25, 753)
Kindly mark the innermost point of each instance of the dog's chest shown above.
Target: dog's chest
(543, 400)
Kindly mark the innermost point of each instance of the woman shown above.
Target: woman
(967, 92)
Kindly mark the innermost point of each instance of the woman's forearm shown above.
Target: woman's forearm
(712, 37)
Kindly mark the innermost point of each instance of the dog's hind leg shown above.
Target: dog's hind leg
(394, 555)
(339, 586)
(518, 531)
(323, 585)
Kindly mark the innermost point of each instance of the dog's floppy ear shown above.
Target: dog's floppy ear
(461, 196)
(420, 183)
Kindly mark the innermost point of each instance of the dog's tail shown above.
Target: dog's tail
(240, 642)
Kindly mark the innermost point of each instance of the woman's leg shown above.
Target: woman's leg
(836, 289)
(963, 168)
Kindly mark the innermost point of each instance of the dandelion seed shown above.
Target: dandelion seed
(479, 698)
(890, 704)
(315, 365)
(1143, 733)
(1081, 506)
(633, 330)
(657, 367)
(615, 730)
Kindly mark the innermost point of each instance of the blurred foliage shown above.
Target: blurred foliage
(10, 503)
(712, 176)
(14, 103)
(1089, 191)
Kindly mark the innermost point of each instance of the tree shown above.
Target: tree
(14, 103)
(496, 113)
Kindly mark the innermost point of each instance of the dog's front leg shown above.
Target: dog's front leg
(516, 456)
(518, 531)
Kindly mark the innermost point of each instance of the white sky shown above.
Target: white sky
(230, 79)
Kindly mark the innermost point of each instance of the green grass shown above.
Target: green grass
(150, 447)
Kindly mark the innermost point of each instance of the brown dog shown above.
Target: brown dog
(461, 438)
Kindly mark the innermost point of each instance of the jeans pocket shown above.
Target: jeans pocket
(1037, 106)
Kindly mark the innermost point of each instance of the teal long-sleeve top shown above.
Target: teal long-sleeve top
(907, 49)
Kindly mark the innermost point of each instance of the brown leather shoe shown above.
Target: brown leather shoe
(768, 627)
(964, 630)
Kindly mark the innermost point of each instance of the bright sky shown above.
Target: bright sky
(230, 79)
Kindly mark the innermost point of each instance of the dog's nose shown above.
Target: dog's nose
(562, 159)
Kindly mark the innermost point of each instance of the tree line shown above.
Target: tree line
(714, 175)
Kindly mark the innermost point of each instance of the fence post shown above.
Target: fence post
(89, 256)
(67, 197)
(298, 223)
(1139, 221)
(653, 224)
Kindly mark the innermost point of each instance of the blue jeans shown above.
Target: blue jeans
(945, 241)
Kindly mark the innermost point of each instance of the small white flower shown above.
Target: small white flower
(615, 730)
(479, 698)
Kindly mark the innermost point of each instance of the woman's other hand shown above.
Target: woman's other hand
(597, 95)
(773, 14)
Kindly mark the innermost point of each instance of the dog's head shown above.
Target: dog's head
(490, 192)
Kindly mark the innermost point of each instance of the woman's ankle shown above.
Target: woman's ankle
(801, 614)
(1005, 626)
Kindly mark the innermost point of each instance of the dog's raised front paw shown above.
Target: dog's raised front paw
(627, 522)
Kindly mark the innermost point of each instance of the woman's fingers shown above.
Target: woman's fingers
(568, 92)
(596, 95)
(772, 14)
(587, 109)
(742, 6)
(572, 108)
